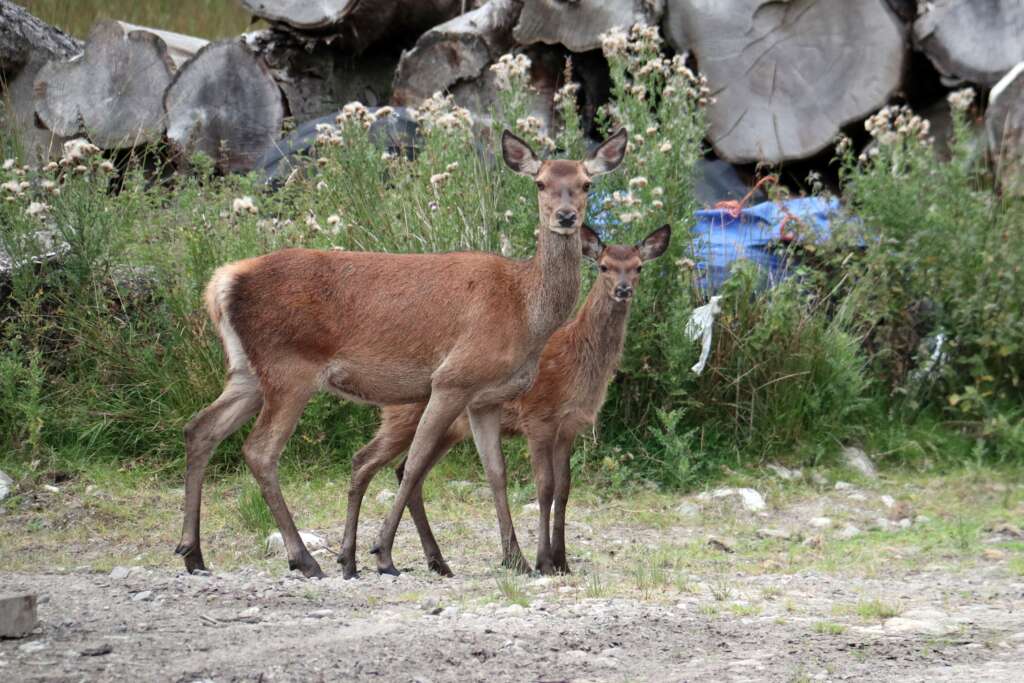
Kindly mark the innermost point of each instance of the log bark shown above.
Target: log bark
(787, 75)
(23, 36)
(224, 103)
(1004, 125)
(356, 25)
(113, 93)
(317, 79)
(972, 41)
(458, 50)
(578, 24)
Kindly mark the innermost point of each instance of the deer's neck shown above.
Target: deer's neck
(600, 332)
(554, 282)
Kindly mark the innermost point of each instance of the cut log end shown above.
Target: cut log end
(578, 25)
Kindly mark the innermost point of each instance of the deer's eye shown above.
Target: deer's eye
(586, 187)
(540, 186)
(604, 268)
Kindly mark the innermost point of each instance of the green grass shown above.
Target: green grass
(210, 19)
(254, 513)
(512, 588)
(876, 610)
(828, 628)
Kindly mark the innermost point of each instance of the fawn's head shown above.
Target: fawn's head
(620, 265)
(562, 184)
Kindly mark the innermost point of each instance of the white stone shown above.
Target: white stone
(275, 542)
(844, 486)
(51, 488)
(385, 496)
(820, 522)
(6, 484)
(752, 500)
(848, 532)
(908, 624)
(887, 500)
(120, 573)
(142, 596)
(856, 459)
(905, 523)
(450, 611)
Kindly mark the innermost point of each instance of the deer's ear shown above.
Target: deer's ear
(518, 155)
(655, 244)
(592, 244)
(608, 155)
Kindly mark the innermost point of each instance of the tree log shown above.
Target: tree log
(23, 36)
(787, 75)
(113, 93)
(224, 103)
(1004, 124)
(458, 50)
(180, 47)
(973, 41)
(356, 25)
(316, 78)
(578, 24)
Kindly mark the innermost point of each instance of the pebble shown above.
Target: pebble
(120, 573)
(34, 646)
(780, 534)
(887, 500)
(142, 596)
(820, 522)
(320, 613)
(275, 542)
(905, 523)
(6, 485)
(858, 460)
(751, 500)
(849, 531)
(51, 488)
(429, 604)
(450, 612)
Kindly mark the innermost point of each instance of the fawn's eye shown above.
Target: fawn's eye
(586, 187)
(540, 186)
(604, 268)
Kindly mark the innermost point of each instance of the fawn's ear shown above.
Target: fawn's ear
(607, 156)
(655, 244)
(592, 244)
(518, 155)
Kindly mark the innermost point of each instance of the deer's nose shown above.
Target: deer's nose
(623, 292)
(566, 217)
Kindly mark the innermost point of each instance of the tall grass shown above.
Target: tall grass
(210, 19)
(106, 352)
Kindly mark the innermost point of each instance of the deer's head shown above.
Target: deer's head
(620, 265)
(562, 184)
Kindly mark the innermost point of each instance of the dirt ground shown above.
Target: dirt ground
(658, 604)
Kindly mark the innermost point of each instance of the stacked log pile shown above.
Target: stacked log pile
(786, 76)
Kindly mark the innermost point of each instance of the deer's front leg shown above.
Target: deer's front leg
(561, 454)
(485, 422)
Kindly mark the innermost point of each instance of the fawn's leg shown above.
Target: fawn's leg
(561, 454)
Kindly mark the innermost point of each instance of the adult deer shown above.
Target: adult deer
(575, 368)
(461, 331)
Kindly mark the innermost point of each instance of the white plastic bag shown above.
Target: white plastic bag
(700, 326)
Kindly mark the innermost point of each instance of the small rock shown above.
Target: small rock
(90, 489)
(856, 459)
(751, 500)
(97, 651)
(449, 612)
(993, 554)
(17, 615)
(201, 572)
(275, 542)
(847, 532)
(780, 534)
(922, 519)
(688, 509)
(887, 500)
(820, 522)
(6, 485)
(320, 613)
(429, 604)
(928, 621)
(385, 496)
(33, 646)
(251, 615)
(120, 573)
(725, 545)
(844, 486)
(532, 507)
(142, 596)
(905, 523)
(783, 472)
(51, 488)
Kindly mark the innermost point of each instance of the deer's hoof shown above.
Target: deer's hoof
(440, 567)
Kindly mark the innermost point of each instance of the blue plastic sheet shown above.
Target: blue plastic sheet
(720, 238)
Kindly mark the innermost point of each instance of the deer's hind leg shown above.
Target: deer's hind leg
(239, 401)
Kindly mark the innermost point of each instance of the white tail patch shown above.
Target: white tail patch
(218, 295)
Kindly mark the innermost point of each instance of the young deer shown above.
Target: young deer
(461, 331)
(575, 368)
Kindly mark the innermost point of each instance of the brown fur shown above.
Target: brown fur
(463, 331)
(575, 368)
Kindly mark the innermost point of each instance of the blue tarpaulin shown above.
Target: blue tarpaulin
(720, 237)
